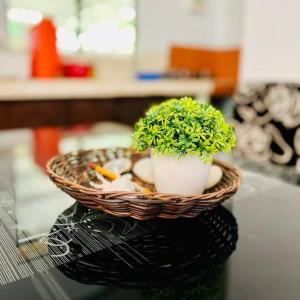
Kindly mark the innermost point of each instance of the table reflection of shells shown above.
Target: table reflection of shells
(156, 254)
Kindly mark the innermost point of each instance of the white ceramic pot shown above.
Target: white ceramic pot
(186, 175)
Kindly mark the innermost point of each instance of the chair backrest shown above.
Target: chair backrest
(267, 124)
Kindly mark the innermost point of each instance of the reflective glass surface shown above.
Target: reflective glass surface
(53, 248)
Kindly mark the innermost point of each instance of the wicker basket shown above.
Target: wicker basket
(71, 174)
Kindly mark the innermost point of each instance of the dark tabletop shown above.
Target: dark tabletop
(53, 248)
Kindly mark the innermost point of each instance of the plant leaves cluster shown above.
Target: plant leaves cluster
(183, 127)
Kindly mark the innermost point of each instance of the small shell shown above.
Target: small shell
(215, 175)
(123, 183)
(143, 169)
(118, 165)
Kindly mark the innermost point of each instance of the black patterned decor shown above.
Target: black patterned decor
(267, 124)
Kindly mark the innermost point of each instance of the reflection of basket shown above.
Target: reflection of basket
(70, 173)
(149, 254)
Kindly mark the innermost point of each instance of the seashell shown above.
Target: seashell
(215, 175)
(123, 183)
(143, 169)
(118, 165)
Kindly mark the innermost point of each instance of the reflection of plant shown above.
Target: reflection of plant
(184, 127)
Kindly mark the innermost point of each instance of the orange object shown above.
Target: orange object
(45, 60)
(103, 171)
(45, 144)
(222, 64)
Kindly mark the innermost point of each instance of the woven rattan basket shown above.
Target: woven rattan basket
(71, 174)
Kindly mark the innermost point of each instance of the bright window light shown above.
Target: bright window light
(126, 13)
(125, 40)
(72, 22)
(22, 15)
(100, 37)
(67, 40)
(99, 26)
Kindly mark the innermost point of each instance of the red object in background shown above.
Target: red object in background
(45, 59)
(79, 128)
(77, 70)
(45, 144)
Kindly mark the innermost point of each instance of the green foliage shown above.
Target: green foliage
(184, 127)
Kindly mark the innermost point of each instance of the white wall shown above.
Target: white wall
(271, 44)
(165, 22)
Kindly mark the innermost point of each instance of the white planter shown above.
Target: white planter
(186, 175)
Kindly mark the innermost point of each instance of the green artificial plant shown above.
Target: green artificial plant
(181, 127)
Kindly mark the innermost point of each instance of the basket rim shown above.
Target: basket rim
(154, 197)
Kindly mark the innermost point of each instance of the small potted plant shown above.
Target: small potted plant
(183, 135)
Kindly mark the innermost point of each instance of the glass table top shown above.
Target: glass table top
(53, 248)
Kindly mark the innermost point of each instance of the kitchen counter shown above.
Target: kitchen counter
(56, 102)
(60, 89)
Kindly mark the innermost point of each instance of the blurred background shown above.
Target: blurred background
(79, 73)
